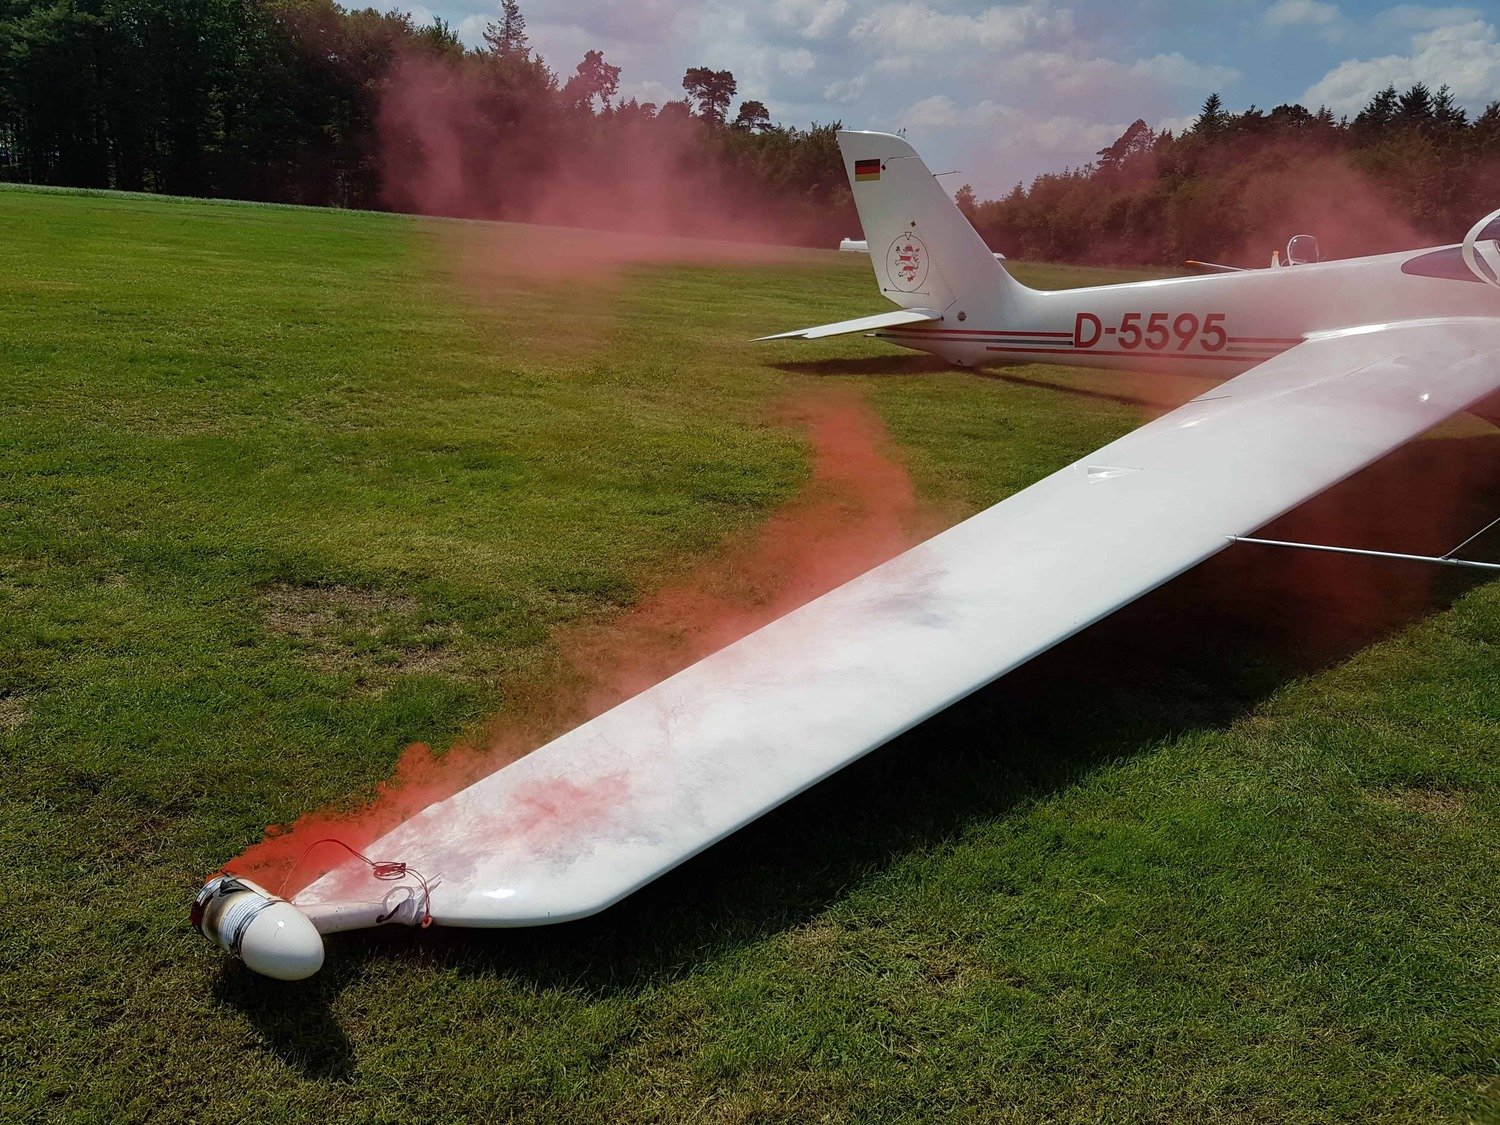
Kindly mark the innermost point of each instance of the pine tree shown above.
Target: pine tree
(507, 36)
(753, 117)
(1379, 113)
(1415, 106)
(1486, 131)
(594, 78)
(1445, 111)
(711, 91)
(1212, 118)
(1136, 141)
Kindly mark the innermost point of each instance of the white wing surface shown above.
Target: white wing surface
(599, 812)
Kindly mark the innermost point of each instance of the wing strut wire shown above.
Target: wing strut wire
(1448, 559)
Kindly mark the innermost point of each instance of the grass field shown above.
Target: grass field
(278, 497)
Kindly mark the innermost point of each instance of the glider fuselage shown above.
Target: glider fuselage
(1217, 325)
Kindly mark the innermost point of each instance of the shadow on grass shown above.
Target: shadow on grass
(1155, 392)
(295, 1019)
(908, 363)
(1146, 392)
(1195, 654)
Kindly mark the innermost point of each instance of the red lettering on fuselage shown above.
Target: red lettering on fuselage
(1155, 332)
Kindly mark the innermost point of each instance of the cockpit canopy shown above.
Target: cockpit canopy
(1303, 250)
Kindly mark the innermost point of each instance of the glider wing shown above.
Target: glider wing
(594, 815)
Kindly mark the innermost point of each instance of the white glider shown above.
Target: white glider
(1329, 366)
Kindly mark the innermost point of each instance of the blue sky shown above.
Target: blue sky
(1003, 91)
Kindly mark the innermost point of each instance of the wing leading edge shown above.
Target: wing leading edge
(664, 775)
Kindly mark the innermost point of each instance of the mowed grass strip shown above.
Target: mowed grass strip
(281, 494)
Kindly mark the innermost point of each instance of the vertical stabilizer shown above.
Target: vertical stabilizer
(924, 251)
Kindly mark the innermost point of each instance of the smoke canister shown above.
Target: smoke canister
(266, 932)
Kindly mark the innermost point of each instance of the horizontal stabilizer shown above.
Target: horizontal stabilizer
(863, 324)
(854, 246)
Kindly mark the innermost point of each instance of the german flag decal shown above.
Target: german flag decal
(865, 170)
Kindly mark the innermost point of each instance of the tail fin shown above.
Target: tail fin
(924, 251)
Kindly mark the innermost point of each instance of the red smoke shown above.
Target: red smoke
(857, 510)
(1422, 499)
(1294, 192)
(1235, 202)
(661, 192)
(650, 189)
(457, 141)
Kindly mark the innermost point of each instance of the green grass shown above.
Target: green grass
(278, 497)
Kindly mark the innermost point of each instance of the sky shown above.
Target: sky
(1003, 91)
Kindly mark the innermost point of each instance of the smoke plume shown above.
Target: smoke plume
(446, 149)
(856, 511)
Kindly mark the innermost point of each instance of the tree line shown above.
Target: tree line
(305, 101)
(1411, 168)
(294, 101)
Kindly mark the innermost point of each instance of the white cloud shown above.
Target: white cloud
(1027, 85)
(936, 112)
(845, 93)
(796, 62)
(913, 26)
(562, 30)
(1001, 144)
(1086, 86)
(1464, 56)
(1420, 17)
(1016, 144)
(656, 93)
(813, 19)
(1175, 70)
(1075, 138)
(471, 29)
(645, 22)
(1177, 125)
(1301, 13)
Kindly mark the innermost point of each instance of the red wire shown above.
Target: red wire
(387, 871)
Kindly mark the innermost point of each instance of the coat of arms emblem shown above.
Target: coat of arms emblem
(906, 263)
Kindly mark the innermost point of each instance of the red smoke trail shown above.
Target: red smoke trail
(599, 195)
(857, 511)
(446, 149)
